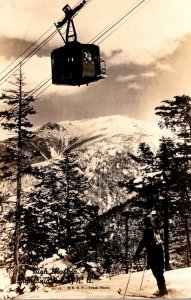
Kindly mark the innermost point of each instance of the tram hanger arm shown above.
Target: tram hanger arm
(69, 13)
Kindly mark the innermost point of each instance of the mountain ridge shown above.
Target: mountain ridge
(113, 127)
(109, 133)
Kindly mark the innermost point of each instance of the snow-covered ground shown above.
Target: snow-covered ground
(4, 279)
(178, 285)
(115, 125)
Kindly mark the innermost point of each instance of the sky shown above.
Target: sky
(147, 55)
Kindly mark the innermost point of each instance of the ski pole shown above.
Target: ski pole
(127, 285)
(143, 274)
(142, 278)
(130, 272)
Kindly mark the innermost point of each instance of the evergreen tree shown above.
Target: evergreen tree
(13, 160)
(166, 204)
(146, 185)
(153, 186)
(76, 216)
(41, 228)
(58, 211)
(176, 115)
(94, 232)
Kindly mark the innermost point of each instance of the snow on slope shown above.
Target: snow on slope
(111, 126)
(178, 285)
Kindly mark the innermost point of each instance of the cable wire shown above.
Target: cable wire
(24, 60)
(24, 52)
(34, 51)
(94, 40)
(104, 29)
(43, 90)
(116, 28)
(110, 27)
(37, 87)
(117, 22)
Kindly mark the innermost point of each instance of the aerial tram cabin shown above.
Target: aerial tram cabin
(75, 64)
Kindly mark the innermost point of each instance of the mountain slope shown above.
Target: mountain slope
(103, 145)
(113, 126)
(115, 130)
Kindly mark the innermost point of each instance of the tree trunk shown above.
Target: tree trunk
(68, 221)
(17, 232)
(166, 235)
(187, 239)
(185, 212)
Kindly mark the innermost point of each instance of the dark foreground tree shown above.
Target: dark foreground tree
(155, 186)
(176, 115)
(57, 214)
(13, 160)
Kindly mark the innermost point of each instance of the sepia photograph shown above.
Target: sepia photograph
(95, 149)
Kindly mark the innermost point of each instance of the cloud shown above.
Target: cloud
(132, 42)
(114, 53)
(164, 67)
(160, 36)
(126, 78)
(14, 47)
(28, 19)
(131, 77)
(134, 86)
(148, 74)
(146, 55)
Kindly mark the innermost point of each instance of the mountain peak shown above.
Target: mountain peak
(51, 126)
(115, 124)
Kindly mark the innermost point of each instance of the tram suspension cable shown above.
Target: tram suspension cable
(24, 60)
(95, 39)
(110, 27)
(118, 21)
(25, 51)
(33, 52)
(120, 24)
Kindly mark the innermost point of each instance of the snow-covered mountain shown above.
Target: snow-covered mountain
(110, 132)
(103, 144)
(112, 125)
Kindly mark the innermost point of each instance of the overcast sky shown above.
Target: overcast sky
(148, 57)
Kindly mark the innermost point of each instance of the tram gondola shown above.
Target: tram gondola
(76, 64)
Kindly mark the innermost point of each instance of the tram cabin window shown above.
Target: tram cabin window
(76, 64)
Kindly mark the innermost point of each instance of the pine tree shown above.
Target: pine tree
(167, 204)
(176, 115)
(76, 215)
(41, 217)
(147, 184)
(13, 160)
(94, 233)
(153, 186)
(57, 214)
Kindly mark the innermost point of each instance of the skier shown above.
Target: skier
(152, 242)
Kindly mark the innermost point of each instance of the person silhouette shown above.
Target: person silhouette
(152, 243)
